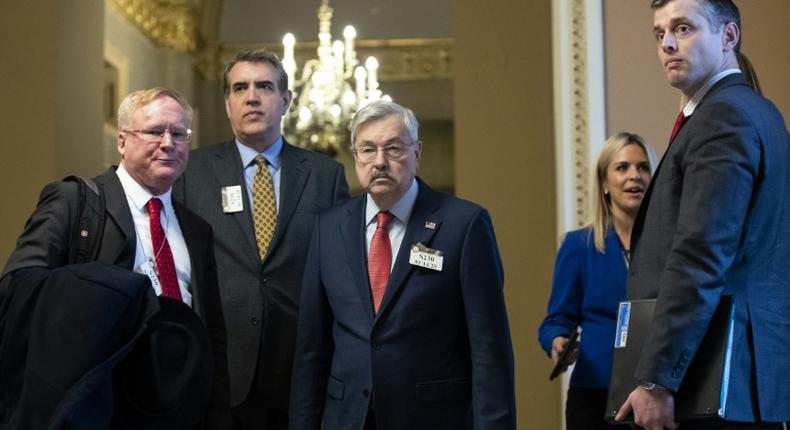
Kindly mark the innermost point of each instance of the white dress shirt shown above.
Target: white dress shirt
(397, 228)
(137, 197)
(697, 97)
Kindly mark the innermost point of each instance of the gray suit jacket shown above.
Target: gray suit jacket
(715, 221)
(260, 298)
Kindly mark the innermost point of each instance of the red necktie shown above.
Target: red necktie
(380, 259)
(166, 269)
(678, 123)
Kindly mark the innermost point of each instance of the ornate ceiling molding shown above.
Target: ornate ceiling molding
(399, 59)
(168, 23)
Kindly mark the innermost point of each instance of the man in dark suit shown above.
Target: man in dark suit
(714, 222)
(144, 230)
(263, 218)
(403, 322)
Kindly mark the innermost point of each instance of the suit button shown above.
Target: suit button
(366, 393)
(254, 321)
(264, 280)
(376, 346)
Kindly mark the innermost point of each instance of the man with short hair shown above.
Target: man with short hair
(403, 322)
(261, 195)
(713, 223)
(144, 229)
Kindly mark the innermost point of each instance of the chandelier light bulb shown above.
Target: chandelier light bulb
(349, 98)
(349, 32)
(289, 40)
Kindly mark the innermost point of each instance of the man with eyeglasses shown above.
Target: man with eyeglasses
(403, 322)
(261, 196)
(144, 231)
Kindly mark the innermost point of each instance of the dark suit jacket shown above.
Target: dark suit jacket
(715, 221)
(587, 286)
(438, 353)
(260, 299)
(44, 243)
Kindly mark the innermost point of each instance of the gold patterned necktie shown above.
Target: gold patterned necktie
(264, 208)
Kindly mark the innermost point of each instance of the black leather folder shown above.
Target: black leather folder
(703, 392)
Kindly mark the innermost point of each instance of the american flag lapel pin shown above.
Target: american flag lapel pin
(430, 224)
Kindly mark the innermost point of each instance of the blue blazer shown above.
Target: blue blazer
(438, 353)
(587, 287)
(714, 221)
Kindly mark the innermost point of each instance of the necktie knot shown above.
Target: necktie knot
(678, 123)
(383, 219)
(154, 207)
(260, 161)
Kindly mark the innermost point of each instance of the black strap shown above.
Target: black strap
(89, 223)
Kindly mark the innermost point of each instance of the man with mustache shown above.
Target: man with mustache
(261, 196)
(713, 223)
(403, 322)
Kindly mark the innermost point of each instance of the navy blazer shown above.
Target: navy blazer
(714, 221)
(438, 353)
(586, 289)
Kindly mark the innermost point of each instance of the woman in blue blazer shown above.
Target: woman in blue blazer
(590, 278)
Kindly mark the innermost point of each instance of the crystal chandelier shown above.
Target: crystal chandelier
(330, 89)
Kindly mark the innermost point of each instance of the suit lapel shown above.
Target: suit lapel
(353, 231)
(192, 239)
(229, 172)
(417, 231)
(677, 145)
(293, 177)
(118, 209)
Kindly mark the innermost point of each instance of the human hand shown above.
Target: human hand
(653, 410)
(557, 348)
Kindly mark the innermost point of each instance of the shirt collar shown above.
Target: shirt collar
(137, 195)
(272, 154)
(697, 97)
(402, 208)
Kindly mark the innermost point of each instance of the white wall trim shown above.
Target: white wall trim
(579, 111)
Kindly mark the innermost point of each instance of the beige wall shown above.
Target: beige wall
(638, 99)
(504, 159)
(50, 109)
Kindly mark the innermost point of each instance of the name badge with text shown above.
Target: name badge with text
(232, 199)
(149, 269)
(428, 258)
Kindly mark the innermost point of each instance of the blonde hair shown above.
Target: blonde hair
(140, 98)
(601, 202)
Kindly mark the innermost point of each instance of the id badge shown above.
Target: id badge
(422, 256)
(149, 269)
(232, 199)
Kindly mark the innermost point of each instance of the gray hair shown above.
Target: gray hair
(380, 109)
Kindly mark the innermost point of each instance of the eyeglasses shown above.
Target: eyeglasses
(368, 153)
(156, 135)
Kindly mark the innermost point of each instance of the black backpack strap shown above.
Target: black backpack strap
(89, 223)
